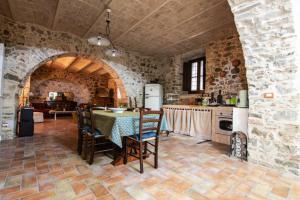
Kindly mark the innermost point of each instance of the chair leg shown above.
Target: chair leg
(141, 157)
(126, 151)
(86, 146)
(79, 147)
(156, 154)
(92, 151)
(84, 143)
(145, 151)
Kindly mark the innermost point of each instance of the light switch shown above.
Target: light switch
(269, 95)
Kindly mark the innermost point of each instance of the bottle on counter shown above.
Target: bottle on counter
(212, 98)
(220, 98)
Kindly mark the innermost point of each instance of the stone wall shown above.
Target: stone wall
(81, 93)
(89, 84)
(28, 46)
(220, 72)
(268, 38)
(221, 55)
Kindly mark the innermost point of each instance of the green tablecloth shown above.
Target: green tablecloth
(116, 125)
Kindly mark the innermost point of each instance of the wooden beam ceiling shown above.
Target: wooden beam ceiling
(91, 68)
(78, 64)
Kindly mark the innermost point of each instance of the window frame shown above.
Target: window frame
(199, 76)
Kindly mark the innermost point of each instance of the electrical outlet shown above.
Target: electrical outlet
(269, 95)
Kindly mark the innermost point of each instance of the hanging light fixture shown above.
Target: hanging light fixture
(113, 52)
(99, 40)
(104, 39)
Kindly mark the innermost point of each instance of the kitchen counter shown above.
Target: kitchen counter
(215, 135)
(199, 107)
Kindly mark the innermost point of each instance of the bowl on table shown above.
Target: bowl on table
(117, 110)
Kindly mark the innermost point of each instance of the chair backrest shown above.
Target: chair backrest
(150, 121)
(79, 117)
(87, 118)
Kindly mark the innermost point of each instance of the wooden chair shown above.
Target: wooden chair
(80, 130)
(149, 127)
(93, 140)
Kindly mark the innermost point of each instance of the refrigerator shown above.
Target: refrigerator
(153, 96)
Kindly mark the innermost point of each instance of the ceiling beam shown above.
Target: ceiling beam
(85, 67)
(49, 64)
(98, 18)
(95, 72)
(101, 71)
(100, 67)
(56, 13)
(73, 63)
(143, 19)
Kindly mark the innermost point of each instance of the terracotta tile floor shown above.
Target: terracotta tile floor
(46, 166)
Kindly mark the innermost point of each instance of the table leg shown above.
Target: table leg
(54, 116)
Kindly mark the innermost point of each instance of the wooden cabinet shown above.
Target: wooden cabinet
(61, 105)
(104, 101)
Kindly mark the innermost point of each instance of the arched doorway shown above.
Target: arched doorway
(95, 77)
(73, 79)
(79, 68)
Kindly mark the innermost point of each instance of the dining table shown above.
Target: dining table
(117, 125)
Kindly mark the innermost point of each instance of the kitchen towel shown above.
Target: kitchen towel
(201, 124)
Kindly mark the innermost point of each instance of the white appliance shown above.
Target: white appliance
(1, 67)
(240, 120)
(224, 122)
(153, 96)
(242, 101)
(1, 83)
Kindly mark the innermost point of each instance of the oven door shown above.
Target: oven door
(224, 125)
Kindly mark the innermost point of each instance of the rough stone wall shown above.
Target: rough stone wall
(173, 77)
(89, 82)
(268, 37)
(220, 72)
(81, 93)
(28, 45)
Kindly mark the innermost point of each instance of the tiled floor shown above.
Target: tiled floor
(46, 166)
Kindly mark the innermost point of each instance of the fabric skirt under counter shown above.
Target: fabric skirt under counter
(195, 122)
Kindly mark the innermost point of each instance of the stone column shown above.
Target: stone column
(173, 79)
(268, 36)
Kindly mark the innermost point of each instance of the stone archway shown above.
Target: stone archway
(27, 60)
(106, 67)
(267, 33)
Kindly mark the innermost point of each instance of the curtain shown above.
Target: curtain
(201, 124)
(182, 121)
(169, 113)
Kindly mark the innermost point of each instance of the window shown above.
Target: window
(194, 81)
(194, 75)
